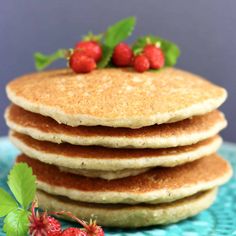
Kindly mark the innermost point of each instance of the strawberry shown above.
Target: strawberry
(91, 229)
(90, 48)
(54, 227)
(42, 224)
(122, 55)
(73, 232)
(141, 63)
(81, 63)
(155, 56)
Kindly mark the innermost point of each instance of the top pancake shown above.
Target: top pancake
(116, 97)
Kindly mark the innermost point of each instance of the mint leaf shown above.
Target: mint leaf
(22, 183)
(42, 61)
(16, 223)
(119, 31)
(170, 49)
(106, 56)
(7, 203)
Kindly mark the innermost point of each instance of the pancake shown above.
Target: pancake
(107, 159)
(103, 174)
(181, 133)
(157, 185)
(116, 97)
(126, 216)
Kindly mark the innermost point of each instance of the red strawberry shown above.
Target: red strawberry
(91, 229)
(155, 56)
(81, 63)
(42, 224)
(73, 232)
(141, 63)
(90, 48)
(122, 55)
(54, 227)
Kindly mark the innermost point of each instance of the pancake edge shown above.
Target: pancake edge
(119, 142)
(151, 197)
(134, 122)
(133, 216)
(117, 164)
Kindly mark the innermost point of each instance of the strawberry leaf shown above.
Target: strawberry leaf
(119, 31)
(22, 183)
(42, 61)
(106, 56)
(7, 203)
(170, 49)
(16, 223)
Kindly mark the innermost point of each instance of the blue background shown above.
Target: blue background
(204, 30)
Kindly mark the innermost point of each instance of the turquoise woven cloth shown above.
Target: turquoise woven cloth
(219, 220)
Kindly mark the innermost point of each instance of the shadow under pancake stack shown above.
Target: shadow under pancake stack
(124, 148)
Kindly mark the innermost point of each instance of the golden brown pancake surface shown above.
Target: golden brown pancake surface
(116, 97)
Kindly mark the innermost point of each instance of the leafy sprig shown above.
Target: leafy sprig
(15, 209)
(112, 36)
(42, 61)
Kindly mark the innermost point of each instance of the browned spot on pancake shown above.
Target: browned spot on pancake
(203, 170)
(48, 125)
(76, 151)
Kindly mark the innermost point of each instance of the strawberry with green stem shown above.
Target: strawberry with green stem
(90, 46)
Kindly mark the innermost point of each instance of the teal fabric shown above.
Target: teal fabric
(219, 220)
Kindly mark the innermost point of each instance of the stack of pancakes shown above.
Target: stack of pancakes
(124, 148)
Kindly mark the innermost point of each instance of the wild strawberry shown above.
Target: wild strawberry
(73, 232)
(94, 230)
(155, 56)
(141, 63)
(90, 48)
(122, 55)
(81, 63)
(54, 227)
(91, 229)
(42, 224)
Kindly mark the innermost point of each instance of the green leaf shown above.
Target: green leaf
(22, 183)
(7, 203)
(16, 223)
(119, 31)
(139, 44)
(42, 61)
(106, 56)
(170, 49)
